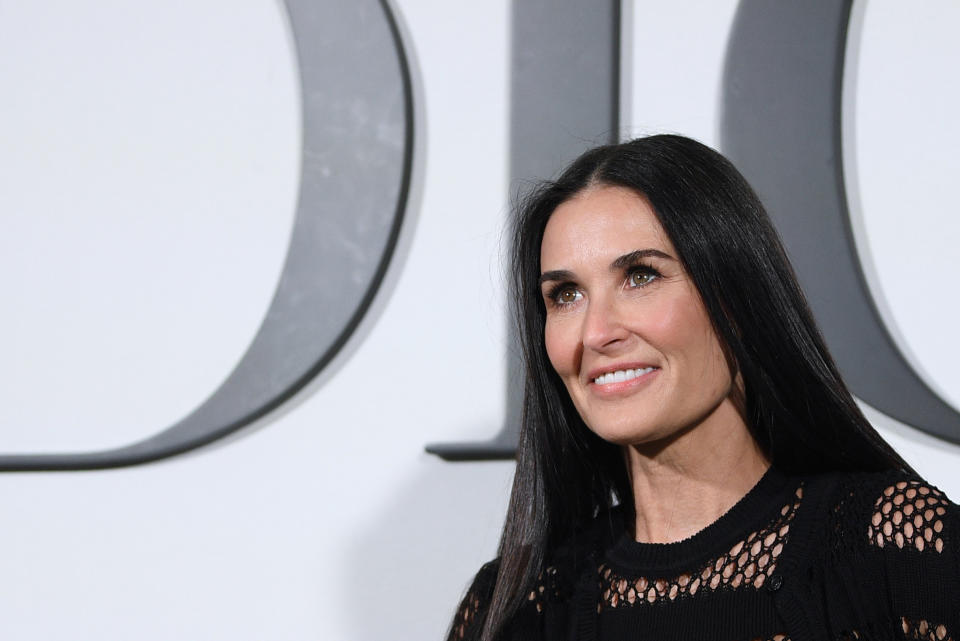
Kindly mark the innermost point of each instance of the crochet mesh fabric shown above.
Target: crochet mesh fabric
(923, 630)
(907, 521)
(747, 564)
(909, 514)
(466, 615)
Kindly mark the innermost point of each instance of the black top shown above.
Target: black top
(835, 556)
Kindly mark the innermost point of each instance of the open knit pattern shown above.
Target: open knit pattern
(909, 514)
(844, 557)
(546, 588)
(921, 629)
(466, 615)
(745, 565)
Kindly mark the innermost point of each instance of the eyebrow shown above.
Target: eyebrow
(622, 262)
(628, 260)
(555, 275)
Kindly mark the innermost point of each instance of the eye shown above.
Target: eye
(565, 294)
(641, 277)
(568, 295)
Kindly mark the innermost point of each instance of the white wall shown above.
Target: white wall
(900, 133)
(147, 185)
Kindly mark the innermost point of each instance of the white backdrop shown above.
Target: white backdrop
(149, 158)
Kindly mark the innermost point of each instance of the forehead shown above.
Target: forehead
(600, 224)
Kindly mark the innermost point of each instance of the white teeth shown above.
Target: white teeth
(621, 375)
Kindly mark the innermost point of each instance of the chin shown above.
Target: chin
(628, 434)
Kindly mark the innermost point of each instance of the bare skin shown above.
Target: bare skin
(682, 486)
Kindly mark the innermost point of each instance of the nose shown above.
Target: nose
(603, 327)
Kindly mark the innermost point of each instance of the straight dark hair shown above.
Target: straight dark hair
(796, 405)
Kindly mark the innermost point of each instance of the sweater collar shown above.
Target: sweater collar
(753, 511)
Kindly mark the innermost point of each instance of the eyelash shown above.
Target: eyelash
(646, 271)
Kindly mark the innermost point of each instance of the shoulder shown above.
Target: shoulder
(911, 513)
(913, 529)
(541, 608)
(885, 509)
(468, 620)
(884, 547)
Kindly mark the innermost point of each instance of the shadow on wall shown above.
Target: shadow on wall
(442, 525)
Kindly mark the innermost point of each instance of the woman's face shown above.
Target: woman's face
(625, 327)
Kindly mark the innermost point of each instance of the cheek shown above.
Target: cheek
(560, 348)
(683, 329)
(669, 326)
(707, 363)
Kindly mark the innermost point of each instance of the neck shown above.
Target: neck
(687, 482)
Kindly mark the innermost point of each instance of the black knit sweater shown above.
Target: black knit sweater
(827, 557)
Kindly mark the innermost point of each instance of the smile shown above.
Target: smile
(622, 375)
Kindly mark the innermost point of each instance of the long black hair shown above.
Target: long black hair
(797, 407)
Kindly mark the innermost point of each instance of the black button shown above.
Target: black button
(774, 582)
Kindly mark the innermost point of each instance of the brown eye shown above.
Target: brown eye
(641, 277)
(566, 296)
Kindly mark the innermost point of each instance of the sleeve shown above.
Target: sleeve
(915, 528)
(472, 611)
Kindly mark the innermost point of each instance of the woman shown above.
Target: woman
(691, 465)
